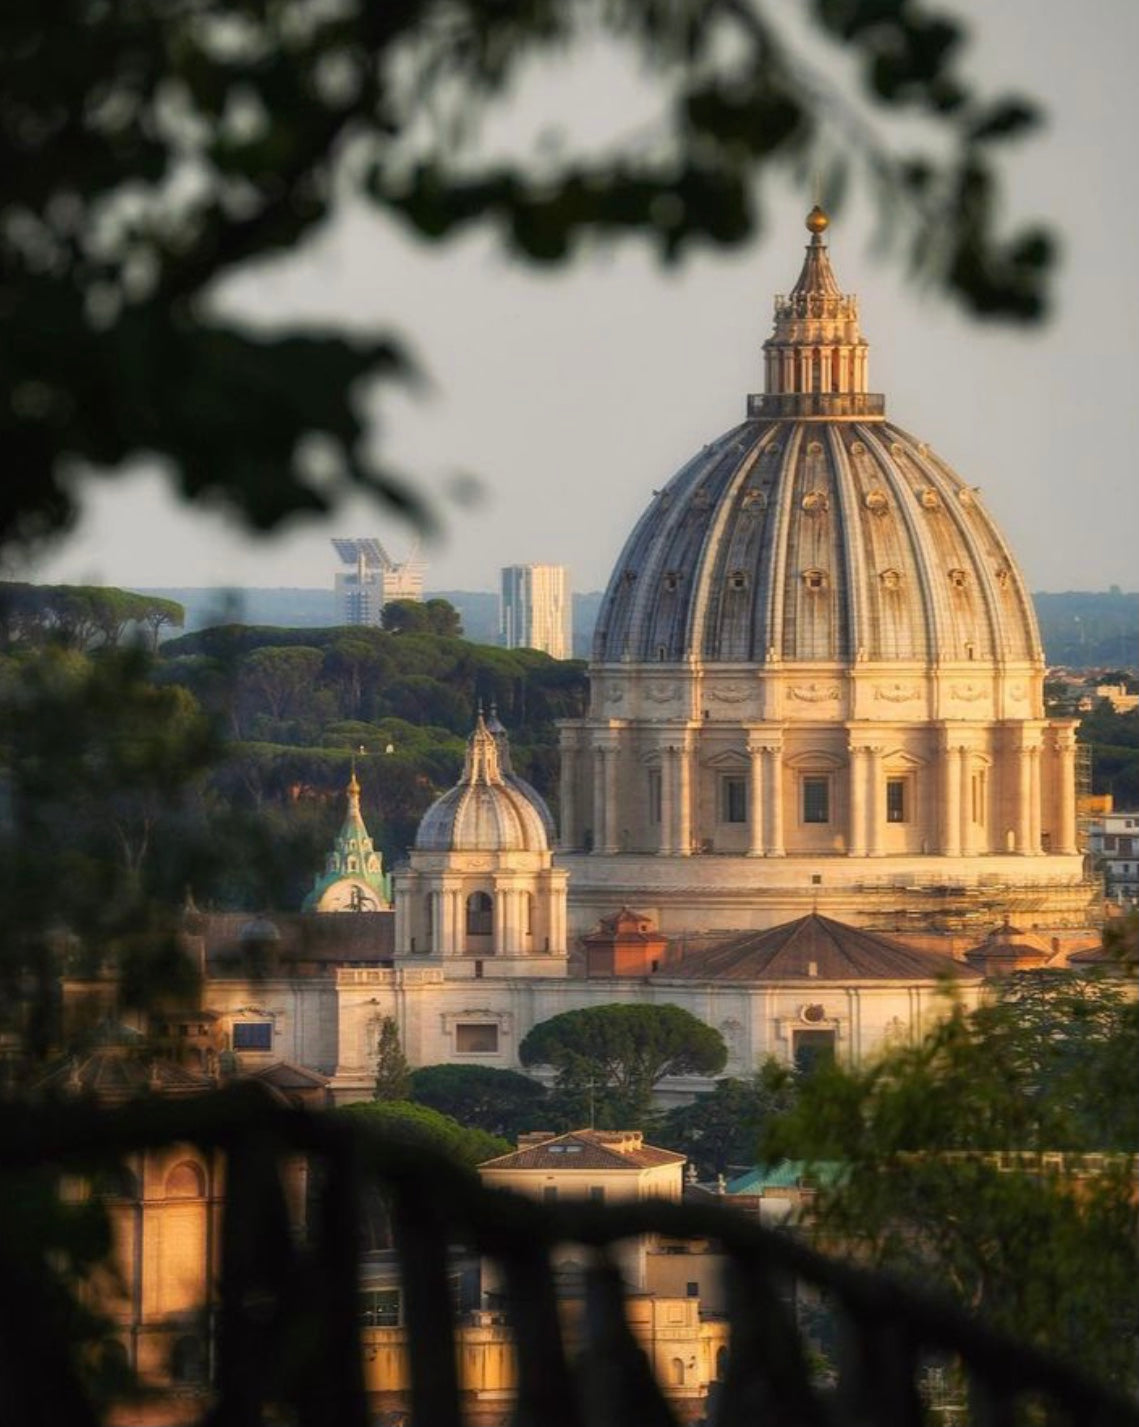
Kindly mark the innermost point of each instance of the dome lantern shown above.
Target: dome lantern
(816, 360)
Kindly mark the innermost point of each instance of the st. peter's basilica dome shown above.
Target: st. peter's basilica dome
(817, 681)
(816, 530)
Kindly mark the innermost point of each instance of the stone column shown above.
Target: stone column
(667, 801)
(684, 800)
(755, 819)
(568, 840)
(447, 918)
(773, 786)
(600, 810)
(499, 898)
(875, 802)
(951, 801)
(968, 839)
(826, 374)
(856, 820)
(1066, 795)
(1024, 799)
(1034, 800)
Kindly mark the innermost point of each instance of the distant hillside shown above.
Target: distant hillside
(316, 609)
(1083, 629)
(1090, 629)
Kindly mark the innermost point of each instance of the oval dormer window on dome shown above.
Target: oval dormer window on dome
(891, 580)
(737, 580)
(930, 499)
(816, 503)
(814, 579)
(876, 501)
(672, 580)
(958, 579)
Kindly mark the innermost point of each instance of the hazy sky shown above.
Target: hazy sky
(572, 393)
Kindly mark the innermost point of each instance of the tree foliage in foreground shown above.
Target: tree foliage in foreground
(721, 1130)
(419, 1124)
(152, 151)
(501, 1102)
(611, 1057)
(1047, 1251)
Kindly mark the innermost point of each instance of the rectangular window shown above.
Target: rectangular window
(597, 1193)
(895, 800)
(253, 1035)
(816, 800)
(476, 1039)
(812, 1049)
(379, 1308)
(550, 1193)
(654, 795)
(692, 1290)
(733, 800)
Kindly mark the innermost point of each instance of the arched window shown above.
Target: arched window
(480, 914)
(676, 1372)
(185, 1181)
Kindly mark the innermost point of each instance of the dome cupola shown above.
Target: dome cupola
(816, 531)
(488, 810)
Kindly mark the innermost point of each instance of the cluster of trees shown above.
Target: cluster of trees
(1047, 1251)
(1114, 739)
(82, 616)
(268, 720)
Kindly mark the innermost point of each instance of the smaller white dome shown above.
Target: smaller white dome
(484, 812)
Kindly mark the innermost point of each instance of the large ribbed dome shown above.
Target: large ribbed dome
(816, 530)
(484, 812)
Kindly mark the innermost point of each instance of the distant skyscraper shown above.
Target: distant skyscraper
(534, 609)
(373, 580)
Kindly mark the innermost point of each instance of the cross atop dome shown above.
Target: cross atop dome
(816, 359)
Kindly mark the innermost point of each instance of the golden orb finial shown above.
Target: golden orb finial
(817, 220)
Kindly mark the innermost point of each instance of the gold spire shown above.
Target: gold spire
(817, 220)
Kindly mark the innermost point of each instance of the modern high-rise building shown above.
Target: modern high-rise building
(534, 609)
(372, 580)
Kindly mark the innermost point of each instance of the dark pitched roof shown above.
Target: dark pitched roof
(112, 1076)
(837, 952)
(587, 1149)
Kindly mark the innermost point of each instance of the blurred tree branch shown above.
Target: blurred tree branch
(151, 149)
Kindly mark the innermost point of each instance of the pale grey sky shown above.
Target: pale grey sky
(572, 393)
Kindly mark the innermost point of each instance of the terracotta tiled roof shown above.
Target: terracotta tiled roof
(587, 1149)
(816, 948)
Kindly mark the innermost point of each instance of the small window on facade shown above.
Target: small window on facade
(188, 1360)
(550, 1193)
(692, 1290)
(253, 1035)
(480, 914)
(812, 1049)
(379, 1308)
(816, 800)
(476, 1039)
(895, 800)
(654, 795)
(733, 800)
(597, 1193)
